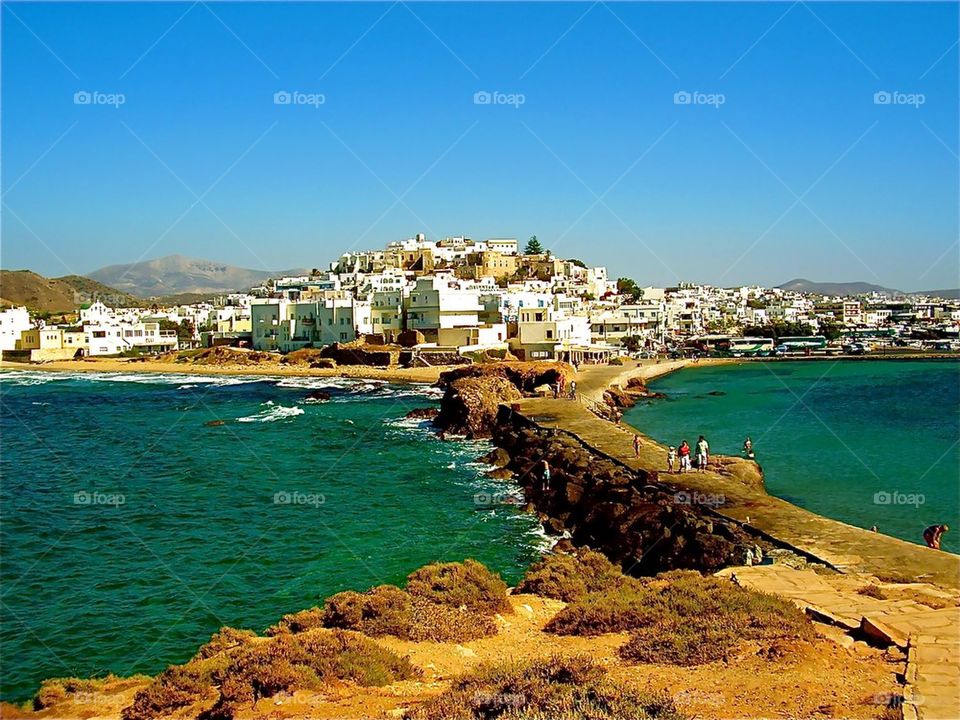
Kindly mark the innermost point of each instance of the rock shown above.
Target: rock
(716, 393)
(470, 404)
(317, 396)
(423, 413)
(214, 423)
(498, 457)
(499, 474)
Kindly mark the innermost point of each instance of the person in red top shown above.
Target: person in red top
(684, 452)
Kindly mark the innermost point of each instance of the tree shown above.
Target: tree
(578, 263)
(533, 246)
(632, 343)
(184, 328)
(626, 286)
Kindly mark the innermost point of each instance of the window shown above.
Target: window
(549, 334)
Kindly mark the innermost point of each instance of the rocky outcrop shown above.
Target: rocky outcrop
(642, 525)
(470, 404)
(360, 353)
(745, 471)
(473, 393)
(423, 413)
(317, 396)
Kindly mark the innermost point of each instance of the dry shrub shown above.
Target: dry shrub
(570, 577)
(682, 618)
(388, 610)
(468, 584)
(173, 689)
(288, 662)
(556, 688)
(224, 640)
(297, 622)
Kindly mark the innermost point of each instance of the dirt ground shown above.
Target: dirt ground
(816, 680)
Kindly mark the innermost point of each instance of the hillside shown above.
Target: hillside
(836, 288)
(177, 274)
(56, 295)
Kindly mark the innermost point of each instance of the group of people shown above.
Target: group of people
(684, 453)
(559, 389)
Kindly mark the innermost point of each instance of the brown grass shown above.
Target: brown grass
(570, 577)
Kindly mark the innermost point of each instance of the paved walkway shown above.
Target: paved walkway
(931, 637)
(845, 547)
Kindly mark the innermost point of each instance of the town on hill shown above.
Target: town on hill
(456, 297)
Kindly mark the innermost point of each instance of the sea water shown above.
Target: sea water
(132, 530)
(868, 442)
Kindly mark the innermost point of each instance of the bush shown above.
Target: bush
(224, 640)
(468, 584)
(570, 577)
(556, 688)
(682, 618)
(297, 622)
(388, 610)
(174, 688)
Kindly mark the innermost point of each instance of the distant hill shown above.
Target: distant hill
(859, 288)
(177, 274)
(56, 295)
(846, 288)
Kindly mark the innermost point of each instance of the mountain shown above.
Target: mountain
(846, 288)
(860, 288)
(177, 274)
(56, 295)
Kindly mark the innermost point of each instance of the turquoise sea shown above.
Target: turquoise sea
(131, 530)
(868, 443)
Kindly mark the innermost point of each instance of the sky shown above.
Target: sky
(730, 144)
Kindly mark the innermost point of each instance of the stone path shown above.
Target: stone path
(929, 636)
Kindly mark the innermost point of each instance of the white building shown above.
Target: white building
(13, 322)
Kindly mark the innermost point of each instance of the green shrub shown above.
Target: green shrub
(682, 618)
(570, 577)
(556, 688)
(468, 584)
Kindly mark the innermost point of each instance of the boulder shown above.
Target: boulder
(423, 413)
(317, 395)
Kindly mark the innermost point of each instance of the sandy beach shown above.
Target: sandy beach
(117, 365)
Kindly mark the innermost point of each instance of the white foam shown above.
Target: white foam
(272, 413)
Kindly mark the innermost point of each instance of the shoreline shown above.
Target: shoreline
(426, 375)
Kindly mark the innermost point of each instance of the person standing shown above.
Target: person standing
(573, 389)
(684, 453)
(703, 454)
(636, 446)
(545, 477)
(671, 458)
(748, 447)
(932, 535)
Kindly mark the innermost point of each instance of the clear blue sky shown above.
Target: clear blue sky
(698, 192)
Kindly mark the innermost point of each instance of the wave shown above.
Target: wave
(272, 413)
(184, 381)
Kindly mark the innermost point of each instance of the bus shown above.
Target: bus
(751, 346)
(801, 344)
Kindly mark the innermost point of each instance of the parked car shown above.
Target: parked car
(855, 349)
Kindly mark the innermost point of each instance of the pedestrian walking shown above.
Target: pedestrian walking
(636, 446)
(671, 458)
(684, 452)
(703, 454)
